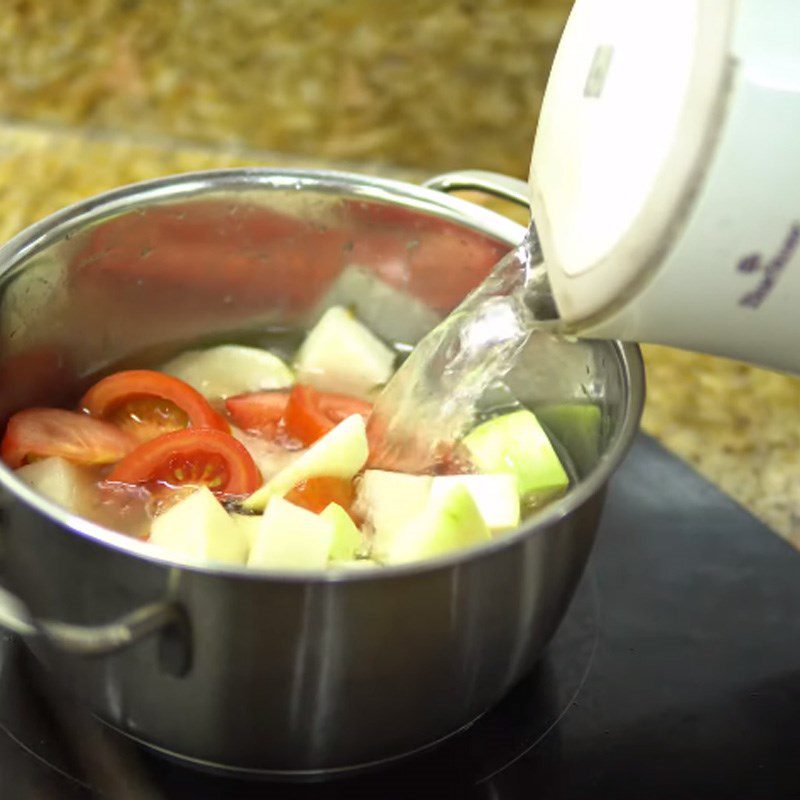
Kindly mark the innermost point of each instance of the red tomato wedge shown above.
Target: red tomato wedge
(194, 456)
(259, 411)
(304, 417)
(304, 413)
(316, 493)
(340, 406)
(43, 432)
(148, 404)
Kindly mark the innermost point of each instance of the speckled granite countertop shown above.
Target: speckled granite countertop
(433, 84)
(738, 425)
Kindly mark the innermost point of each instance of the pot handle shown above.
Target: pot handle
(93, 640)
(493, 183)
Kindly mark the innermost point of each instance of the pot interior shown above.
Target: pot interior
(131, 277)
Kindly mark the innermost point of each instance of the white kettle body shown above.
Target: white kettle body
(665, 178)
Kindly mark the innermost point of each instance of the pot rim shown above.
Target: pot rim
(192, 184)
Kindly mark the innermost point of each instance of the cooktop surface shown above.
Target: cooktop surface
(676, 673)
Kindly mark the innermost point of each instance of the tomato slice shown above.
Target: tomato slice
(43, 432)
(194, 456)
(148, 404)
(316, 493)
(258, 411)
(304, 417)
(340, 406)
(303, 414)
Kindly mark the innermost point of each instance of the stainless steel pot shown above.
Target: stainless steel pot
(272, 672)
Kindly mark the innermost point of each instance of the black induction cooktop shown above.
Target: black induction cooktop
(676, 674)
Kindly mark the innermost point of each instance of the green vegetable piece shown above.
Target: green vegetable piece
(516, 443)
(577, 427)
(199, 527)
(346, 536)
(450, 521)
(291, 537)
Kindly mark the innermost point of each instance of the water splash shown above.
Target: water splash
(433, 399)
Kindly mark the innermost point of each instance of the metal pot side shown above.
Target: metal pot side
(276, 673)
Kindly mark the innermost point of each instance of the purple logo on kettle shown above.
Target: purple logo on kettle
(770, 271)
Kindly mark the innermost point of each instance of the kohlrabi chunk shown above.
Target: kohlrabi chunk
(340, 453)
(291, 537)
(578, 428)
(342, 355)
(496, 496)
(249, 525)
(387, 501)
(230, 369)
(200, 528)
(450, 521)
(346, 535)
(517, 444)
(61, 481)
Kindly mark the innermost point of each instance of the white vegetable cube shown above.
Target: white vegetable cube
(342, 355)
(291, 538)
(346, 535)
(249, 525)
(200, 528)
(450, 521)
(230, 369)
(340, 453)
(388, 501)
(61, 481)
(578, 427)
(496, 496)
(517, 444)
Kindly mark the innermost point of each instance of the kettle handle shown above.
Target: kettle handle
(493, 183)
(111, 637)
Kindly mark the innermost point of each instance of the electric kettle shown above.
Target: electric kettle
(665, 179)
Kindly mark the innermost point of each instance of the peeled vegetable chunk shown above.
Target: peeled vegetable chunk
(495, 495)
(517, 444)
(249, 525)
(387, 501)
(230, 369)
(59, 480)
(291, 538)
(342, 355)
(346, 536)
(578, 427)
(199, 527)
(340, 453)
(450, 521)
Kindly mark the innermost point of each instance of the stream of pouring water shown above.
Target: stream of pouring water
(433, 398)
